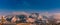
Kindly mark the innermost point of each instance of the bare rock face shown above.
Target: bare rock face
(30, 20)
(14, 19)
(57, 16)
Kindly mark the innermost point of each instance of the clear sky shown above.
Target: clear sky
(29, 5)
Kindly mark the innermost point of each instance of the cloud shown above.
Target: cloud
(20, 13)
(57, 16)
(50, 15)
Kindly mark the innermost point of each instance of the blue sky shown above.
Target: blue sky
(30, 5)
